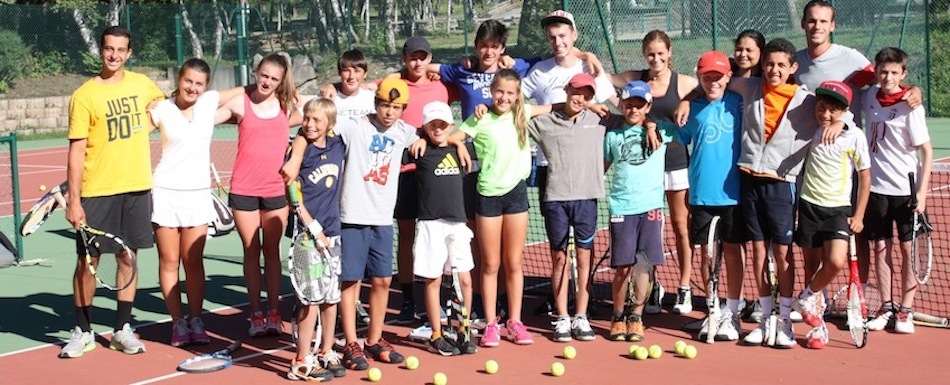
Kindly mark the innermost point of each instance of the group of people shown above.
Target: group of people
(774, 133)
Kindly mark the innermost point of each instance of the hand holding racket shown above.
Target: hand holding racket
(210, 362)
(112, 273)
(921, 248)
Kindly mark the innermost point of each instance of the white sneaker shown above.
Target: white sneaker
(581, 329)
(757, 335)
(562, 329)
(704, 329)
(785, 337)
(905, 322)
(811, 308)
(728, 329)
(795, 316)
(79, 343)
(880, 322)
(684, 301)
(125, 341)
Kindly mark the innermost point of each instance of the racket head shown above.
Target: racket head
(306, 267)
(115, 272)
(921, 248)
(857, 315)
(714, 260)
(40, 212)
(210, 362)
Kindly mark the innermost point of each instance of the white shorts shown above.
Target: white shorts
(182, 208)
(676, 180)
(431, 249)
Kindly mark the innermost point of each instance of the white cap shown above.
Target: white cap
(437, 111)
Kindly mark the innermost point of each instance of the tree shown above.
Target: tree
(531, 37)
(196, 50)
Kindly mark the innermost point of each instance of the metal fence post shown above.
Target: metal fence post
(14, 169)
(715, 24)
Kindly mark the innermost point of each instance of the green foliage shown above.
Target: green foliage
(49, 63)
(13, 55)
(940, 60)
(91, 64)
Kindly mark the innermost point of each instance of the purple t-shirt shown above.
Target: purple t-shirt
(474, 86)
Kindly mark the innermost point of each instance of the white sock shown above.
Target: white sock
(785, 307)
(807, 293)
(732, 305)
(766, 304)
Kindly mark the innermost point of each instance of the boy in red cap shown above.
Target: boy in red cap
(825, 218)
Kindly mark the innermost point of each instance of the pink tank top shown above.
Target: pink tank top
(262, 144)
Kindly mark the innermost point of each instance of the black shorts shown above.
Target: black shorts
(817, 224)
(127, 215)
(559, 216)
(768, 207)
(512, 202)
(407, 197)
(249, 203)
(541, 181)
(731, 225)
(885, 210)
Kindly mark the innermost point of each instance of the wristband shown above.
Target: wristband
(315, 228)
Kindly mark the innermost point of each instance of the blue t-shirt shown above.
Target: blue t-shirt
(319, 177)
(474, 86)
(637, 186)
(714, 129)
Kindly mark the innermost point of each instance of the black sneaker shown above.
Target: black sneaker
(331, 362)
(407, 314)
(443, 347)
(383, 352)
(353, 357)
(470, 348)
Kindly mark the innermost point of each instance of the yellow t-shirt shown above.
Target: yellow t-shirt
(113, 120)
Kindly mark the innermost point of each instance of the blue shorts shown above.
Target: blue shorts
(768, 206)
(631, 235)
(512, 202)
(367, 252)
(559, 216)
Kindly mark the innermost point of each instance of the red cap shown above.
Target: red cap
(582, 80)
(835, 90)
(713, 61)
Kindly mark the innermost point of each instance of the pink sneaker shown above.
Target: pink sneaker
(274, 324)
(198, 334)
(518, 334)
(491, 335)
(180, 334)
(257, 328)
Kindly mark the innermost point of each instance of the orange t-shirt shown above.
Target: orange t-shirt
(776, 101)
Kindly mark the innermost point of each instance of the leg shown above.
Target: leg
(514, 233)
(433, 301)
(168, 242)
(489, 240)
(734, 261)
(407, 235)
(248, 225)
(909, 284)
(679, 218)
(192, 252)
(884, 267)
(273, 223)
(306, 322)
(328, 327)
(834, 258)
(350, 291)
(583, 278)
(560, 276)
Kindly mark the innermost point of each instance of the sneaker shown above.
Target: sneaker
(817, 338)
(882, 319)
(469, 348)
(443, 317)
(905, 322)
(275, 325)
(811, 308)
(383, 352)
(407, 314)
(444, 347)
(757, 335)
(581, 329)
(634, 329)
(785, 337)
(654, 303)
(795, 316)
(684, 301)
(353, 357)
(79, 343)
(257, 328)
(728, 329)
(331, 362)
(181, 335)
(198, 334)
(492, 335)
(518, 334)
(704, 329)
(125, 341)
(754, 314)
(362, 317)
(562, 329)
(618, 328)
(307, 370)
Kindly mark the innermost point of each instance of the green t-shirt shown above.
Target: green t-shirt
(504, 161)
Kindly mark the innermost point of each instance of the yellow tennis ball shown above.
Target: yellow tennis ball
(641, 353)
(689, 352)
(679, 346)
(632, 350)
(656, 351)
(42, 187)
(570, 352)
(375, 374)
(491, 367)
(412, 362)
(557, 369)
(440, 379)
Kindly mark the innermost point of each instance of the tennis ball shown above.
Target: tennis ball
(570, 352)
(656, 351)
(42, 187)
(557, 369)
(491, 367)
(641, 353)
(412, 362)
(632, 350)
(689, 352)
(374, 374)
(679, 346)
(440, 379)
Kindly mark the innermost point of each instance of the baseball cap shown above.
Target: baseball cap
(437, 111)
(393, 90)
(559, 16)
(713, 61)
(416, 43)
(637, 89)
(582, 80)
(836, 90)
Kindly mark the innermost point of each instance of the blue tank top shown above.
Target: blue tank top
(662, 113)
(319, 177)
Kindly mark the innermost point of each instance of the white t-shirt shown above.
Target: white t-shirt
(186, 145)
(894, 133)
(837, 63)
(829, 168)
(359, 104)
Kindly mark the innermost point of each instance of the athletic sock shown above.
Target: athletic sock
(766, 304)
(785, 307)
(436, 334)
(579, 316)
(83, 319)
(732, 305)
(123, 314)
(806, 293)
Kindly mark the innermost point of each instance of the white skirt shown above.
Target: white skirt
(182, 208)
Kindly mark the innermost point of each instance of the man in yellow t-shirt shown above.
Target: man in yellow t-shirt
(110, 178)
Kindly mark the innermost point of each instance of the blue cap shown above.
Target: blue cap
(637, 89)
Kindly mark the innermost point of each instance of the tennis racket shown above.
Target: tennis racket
(928, 320)
(459, 317)
(311, 265)
(922, 248)
(572, 265)
(857, 307)
(210, 362)
(772, 278)
(112, 273)
(714, 258)
(223, 222)
(42, 209)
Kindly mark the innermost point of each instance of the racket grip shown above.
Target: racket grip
(293, 192)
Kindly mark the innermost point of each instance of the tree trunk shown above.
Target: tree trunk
(113, 12)
(364, 14)
(387, 18)
(318, 19)
(448, 16)
(218, 31)
(342, 14)
(196, 49)
(85, 33)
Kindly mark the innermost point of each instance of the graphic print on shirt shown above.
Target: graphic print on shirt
(123, 117)
(330, 171)
(381, 149)
(448, 166)
(634, 149)
(879, 130)
(713, 130)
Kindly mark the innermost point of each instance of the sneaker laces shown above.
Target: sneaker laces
(181, 327)
(330, 359)
(681, 296)
(353, 350)
(562, 326)
(581, 323)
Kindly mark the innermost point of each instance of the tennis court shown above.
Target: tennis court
(38, 303)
